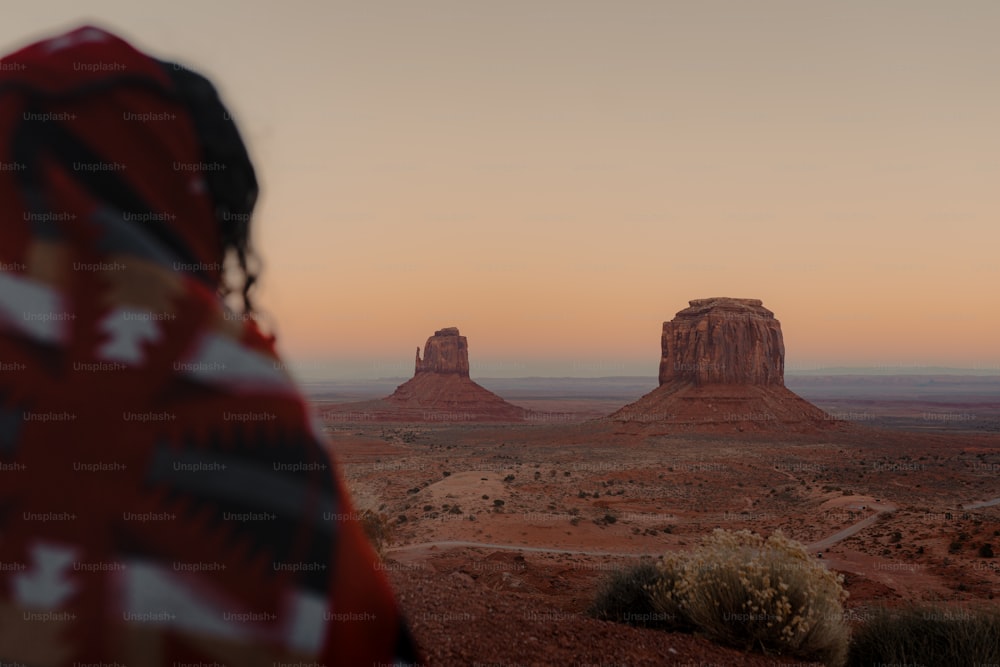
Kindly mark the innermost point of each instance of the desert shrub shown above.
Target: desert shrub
(741, 589)
(624, 596)
(664, 595)
(929, 636)
(378, 530)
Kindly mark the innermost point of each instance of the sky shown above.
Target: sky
(557, 178)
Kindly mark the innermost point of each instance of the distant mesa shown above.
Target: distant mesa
(722, 368)
(445, 352)
(439, 391)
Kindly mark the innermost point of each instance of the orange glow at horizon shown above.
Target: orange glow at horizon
(558, 179)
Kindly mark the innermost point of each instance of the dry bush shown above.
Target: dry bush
(624, 597)
(664, 592)
(754, 593)
(378, 529)
(929, 636)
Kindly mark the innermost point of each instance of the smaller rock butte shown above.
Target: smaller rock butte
(439, 391)
(445, 352)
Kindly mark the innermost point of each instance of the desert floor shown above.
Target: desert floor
(501, 533)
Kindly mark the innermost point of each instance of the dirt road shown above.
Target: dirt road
(821, 545)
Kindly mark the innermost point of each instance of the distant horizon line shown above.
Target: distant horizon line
(881, 371)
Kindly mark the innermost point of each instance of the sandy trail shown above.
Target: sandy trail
(985, 503)
(458, 544)
(826, 543)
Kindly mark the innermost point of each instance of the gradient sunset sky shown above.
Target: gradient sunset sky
(557, 178)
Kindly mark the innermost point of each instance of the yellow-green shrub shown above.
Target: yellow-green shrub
(741, 589)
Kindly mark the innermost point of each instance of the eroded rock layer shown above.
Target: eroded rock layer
(723, 341)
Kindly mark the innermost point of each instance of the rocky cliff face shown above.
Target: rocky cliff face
(723, 341)
(722, 365)
(445, 352)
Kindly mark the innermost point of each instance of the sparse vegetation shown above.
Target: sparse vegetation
(927, 636)
(743, 590)
(377, 528)
(624, 597)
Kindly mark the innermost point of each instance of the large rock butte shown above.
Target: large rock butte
(722, 364)
(723, 341)
(439, 391)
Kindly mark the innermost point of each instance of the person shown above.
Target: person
(165, 496)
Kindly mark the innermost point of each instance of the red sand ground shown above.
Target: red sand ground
(501, 533)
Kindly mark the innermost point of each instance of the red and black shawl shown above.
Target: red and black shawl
(164, 494)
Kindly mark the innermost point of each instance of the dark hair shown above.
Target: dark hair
(233, 189)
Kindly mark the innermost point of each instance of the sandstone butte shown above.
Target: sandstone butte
(722, 369)
(439, 391)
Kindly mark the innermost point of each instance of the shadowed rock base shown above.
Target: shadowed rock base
(684, 407)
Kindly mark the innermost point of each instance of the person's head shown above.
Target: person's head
(121, 139)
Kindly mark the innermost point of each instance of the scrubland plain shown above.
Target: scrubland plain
(498, 535)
